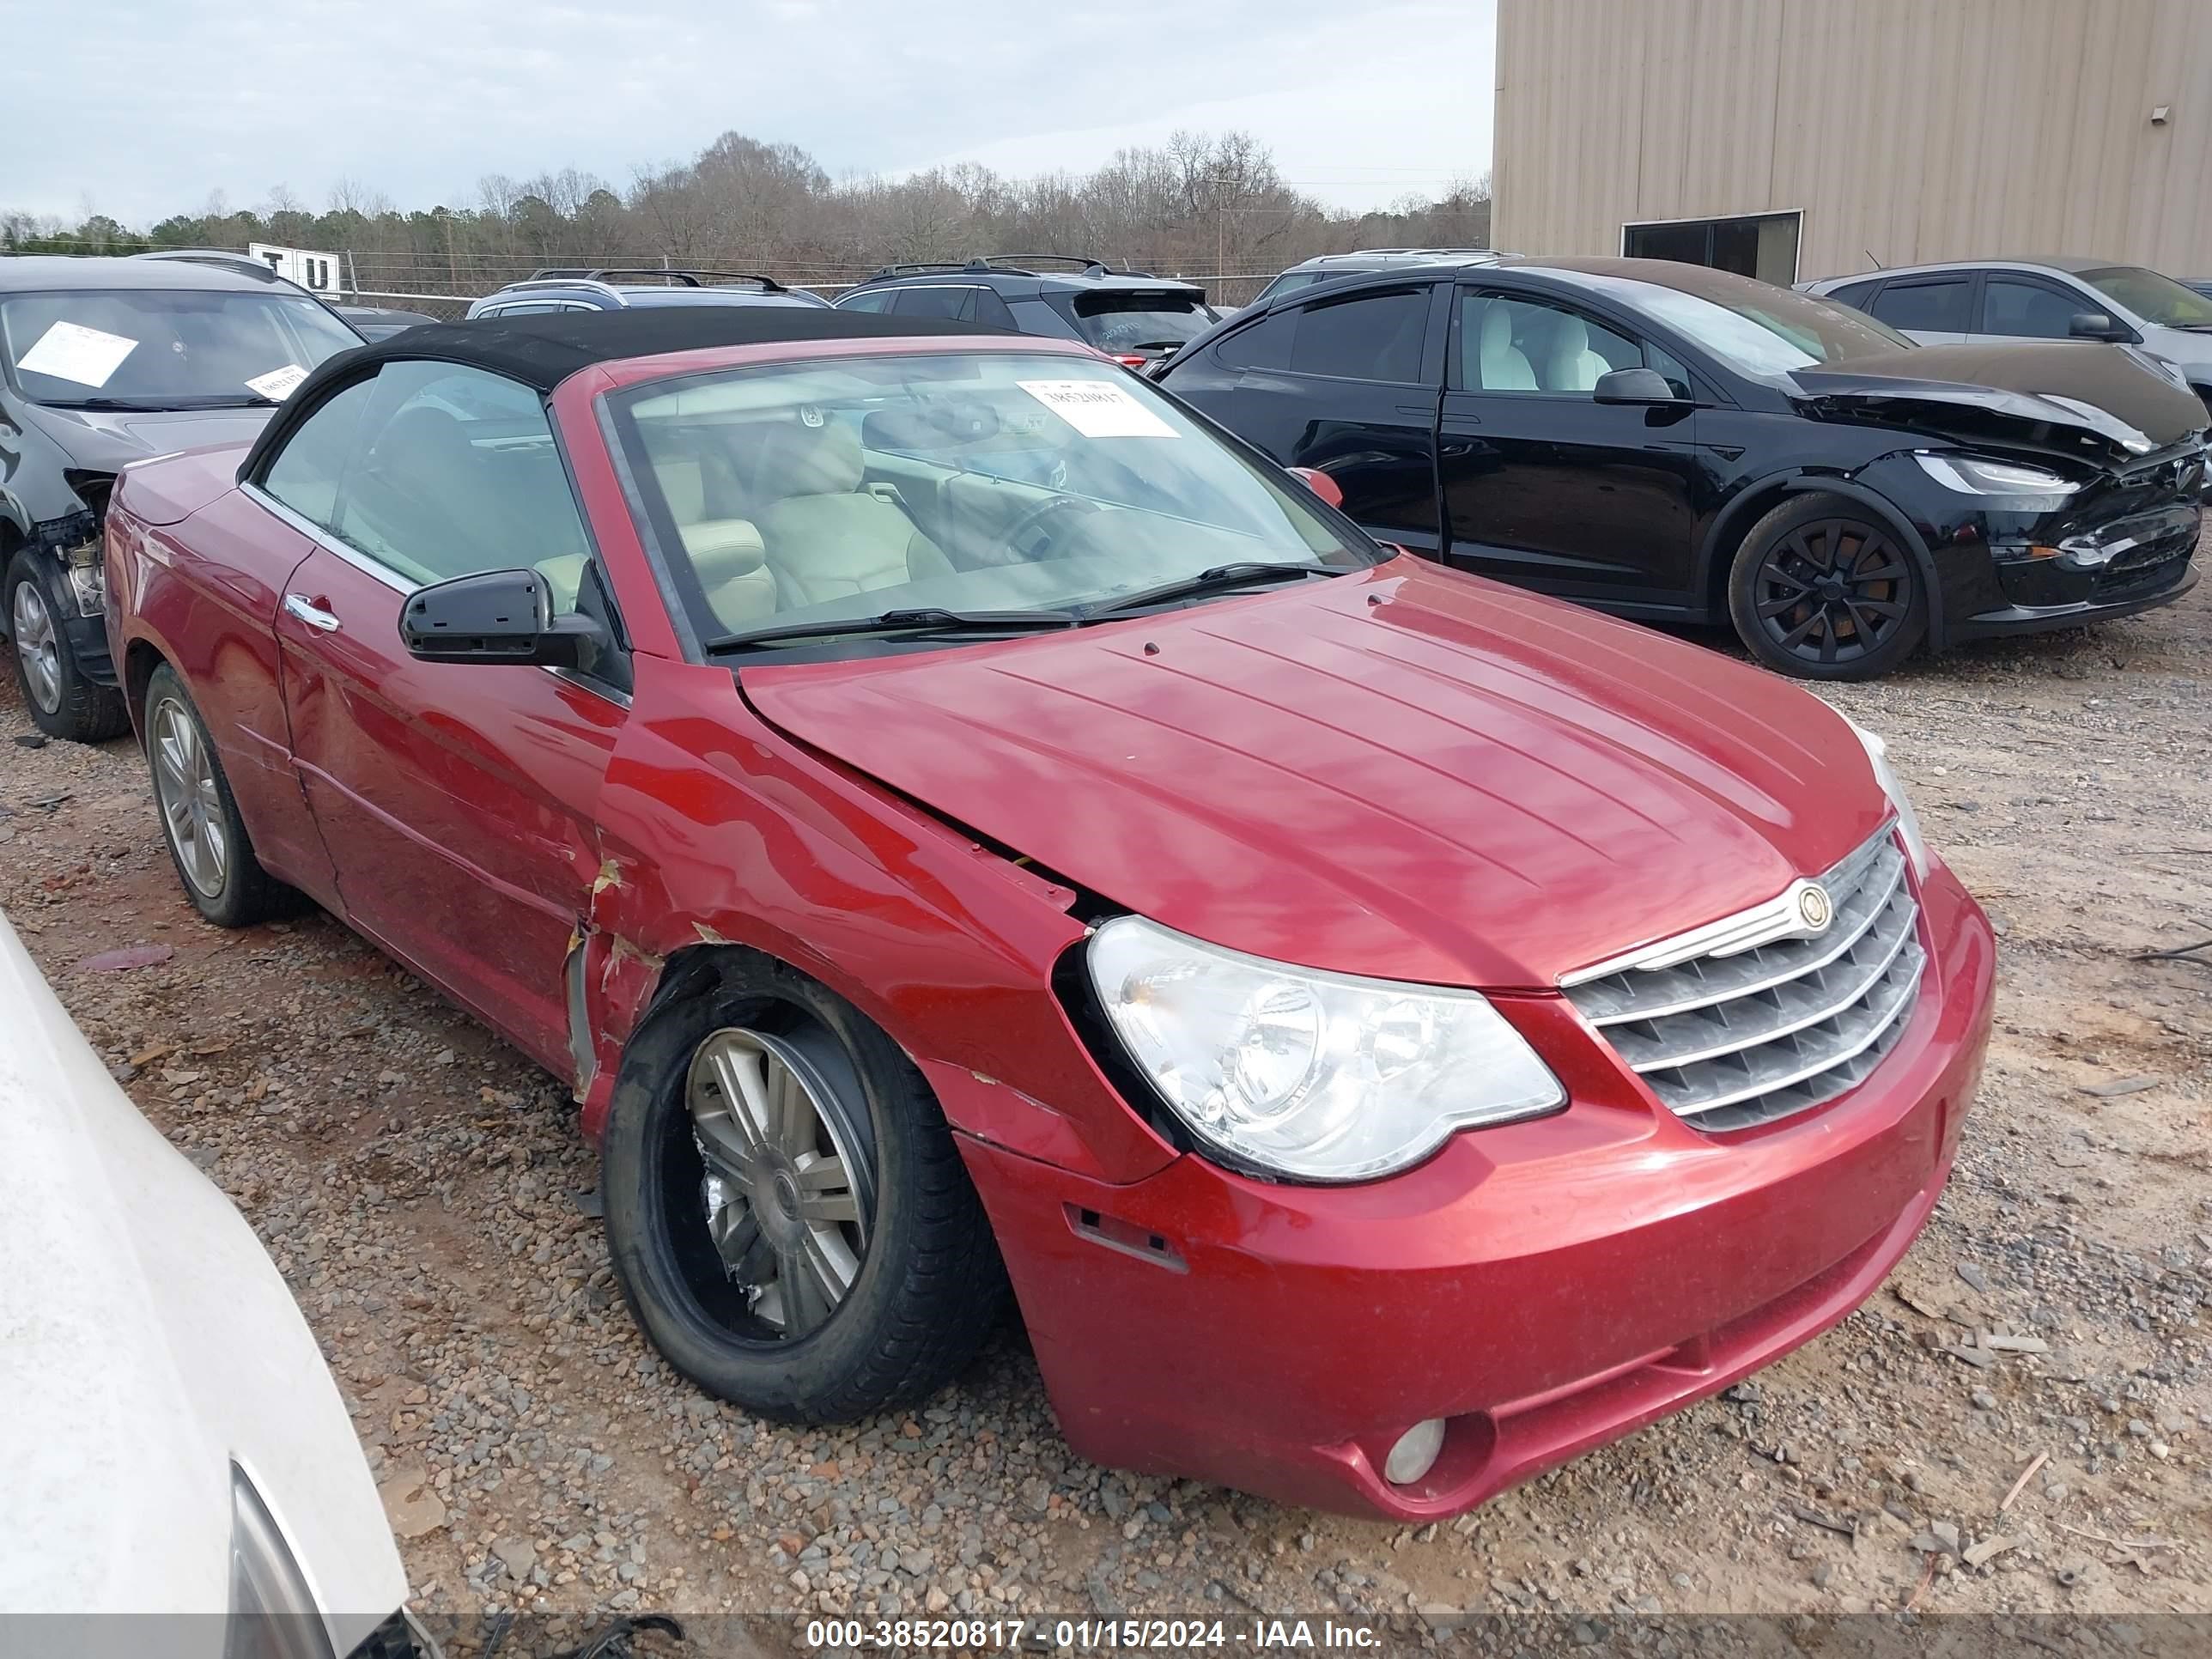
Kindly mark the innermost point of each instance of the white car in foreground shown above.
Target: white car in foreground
(171, 1441)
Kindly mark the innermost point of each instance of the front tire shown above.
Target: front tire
(207, 840)
(787, 1215)
(1823, 590)
(64, 702)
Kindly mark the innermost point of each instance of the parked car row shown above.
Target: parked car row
(964, 826)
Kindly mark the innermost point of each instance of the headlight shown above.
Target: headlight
(1885, 775)
(1312, 1075)
(1972, 475)
(273, 1613)
(87, 578)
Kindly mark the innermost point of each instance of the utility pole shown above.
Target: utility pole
(1220, 223)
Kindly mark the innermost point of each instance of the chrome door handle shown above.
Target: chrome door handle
(312, 614)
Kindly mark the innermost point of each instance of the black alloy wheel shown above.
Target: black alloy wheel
(1822, 590)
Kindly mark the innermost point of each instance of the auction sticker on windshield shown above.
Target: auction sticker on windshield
(1097, 409)
(277, 384)
(70, 351)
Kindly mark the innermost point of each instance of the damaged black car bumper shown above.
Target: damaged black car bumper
(2123, 543)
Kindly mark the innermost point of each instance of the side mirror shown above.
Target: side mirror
(1634, 385)
(1320, 483)
(2096, 326)
(497, 615)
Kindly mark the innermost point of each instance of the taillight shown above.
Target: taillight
(1130, 360)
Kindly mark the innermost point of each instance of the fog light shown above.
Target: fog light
(1415, 1454)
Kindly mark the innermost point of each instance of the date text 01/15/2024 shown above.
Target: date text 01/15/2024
(1085, 1635)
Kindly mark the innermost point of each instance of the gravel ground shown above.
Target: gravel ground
(424, 1189)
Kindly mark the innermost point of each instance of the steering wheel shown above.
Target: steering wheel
(1035, 520)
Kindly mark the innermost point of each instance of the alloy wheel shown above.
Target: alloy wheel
(1833, 591)
(191, 805)
(37, 643)
(788, 1189)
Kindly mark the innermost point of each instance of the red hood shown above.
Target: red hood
(1461, 784)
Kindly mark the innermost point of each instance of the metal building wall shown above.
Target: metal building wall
(1906, 130)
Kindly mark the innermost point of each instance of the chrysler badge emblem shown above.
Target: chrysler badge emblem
(1814, 908)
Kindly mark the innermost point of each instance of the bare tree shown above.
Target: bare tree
(1203, 203)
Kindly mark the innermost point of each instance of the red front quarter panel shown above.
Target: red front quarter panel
(717, 828)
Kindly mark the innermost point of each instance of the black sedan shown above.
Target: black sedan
(1674, 443)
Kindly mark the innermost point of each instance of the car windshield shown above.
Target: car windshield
(1137, 321)
(164, 349)
(1000, 482)
(2155, 298)
(1756, 328)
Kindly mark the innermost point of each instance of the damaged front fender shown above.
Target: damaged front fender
(72, 542)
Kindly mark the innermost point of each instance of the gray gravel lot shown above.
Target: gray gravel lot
(424, 1191)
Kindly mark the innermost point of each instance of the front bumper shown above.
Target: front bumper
(2115, 568)
(87, 643)
(2125, 543)
(1544, 1287)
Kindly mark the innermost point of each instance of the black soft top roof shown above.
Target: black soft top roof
(544, 350)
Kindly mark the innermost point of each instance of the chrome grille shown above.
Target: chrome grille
(1758, 1016)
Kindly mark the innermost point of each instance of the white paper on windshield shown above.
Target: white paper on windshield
(278, 383)
(1097, 409)
(70, 351)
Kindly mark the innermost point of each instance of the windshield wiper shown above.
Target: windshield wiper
(161, 405)
(1221, 579)
(927, 619)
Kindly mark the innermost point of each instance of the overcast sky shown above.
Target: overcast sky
(166, 100)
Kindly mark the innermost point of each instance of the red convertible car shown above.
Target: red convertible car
(959, 821)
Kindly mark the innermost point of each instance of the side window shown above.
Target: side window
(1262, 345)
(1938, 308)
(1369, 336)
(2028, 308)
(305, 473)
(1854, 294)
(1671, 369)
(453, 471)
(951, 302)
(990, 309)
(1529, 345)
(876, 300)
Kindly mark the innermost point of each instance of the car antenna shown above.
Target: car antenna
(1875, 262)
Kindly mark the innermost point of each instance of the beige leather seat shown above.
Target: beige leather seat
(682, 485)
(733, 565)
(1570, 365)
(1500, 364)
(728, 554)
(826, 537)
